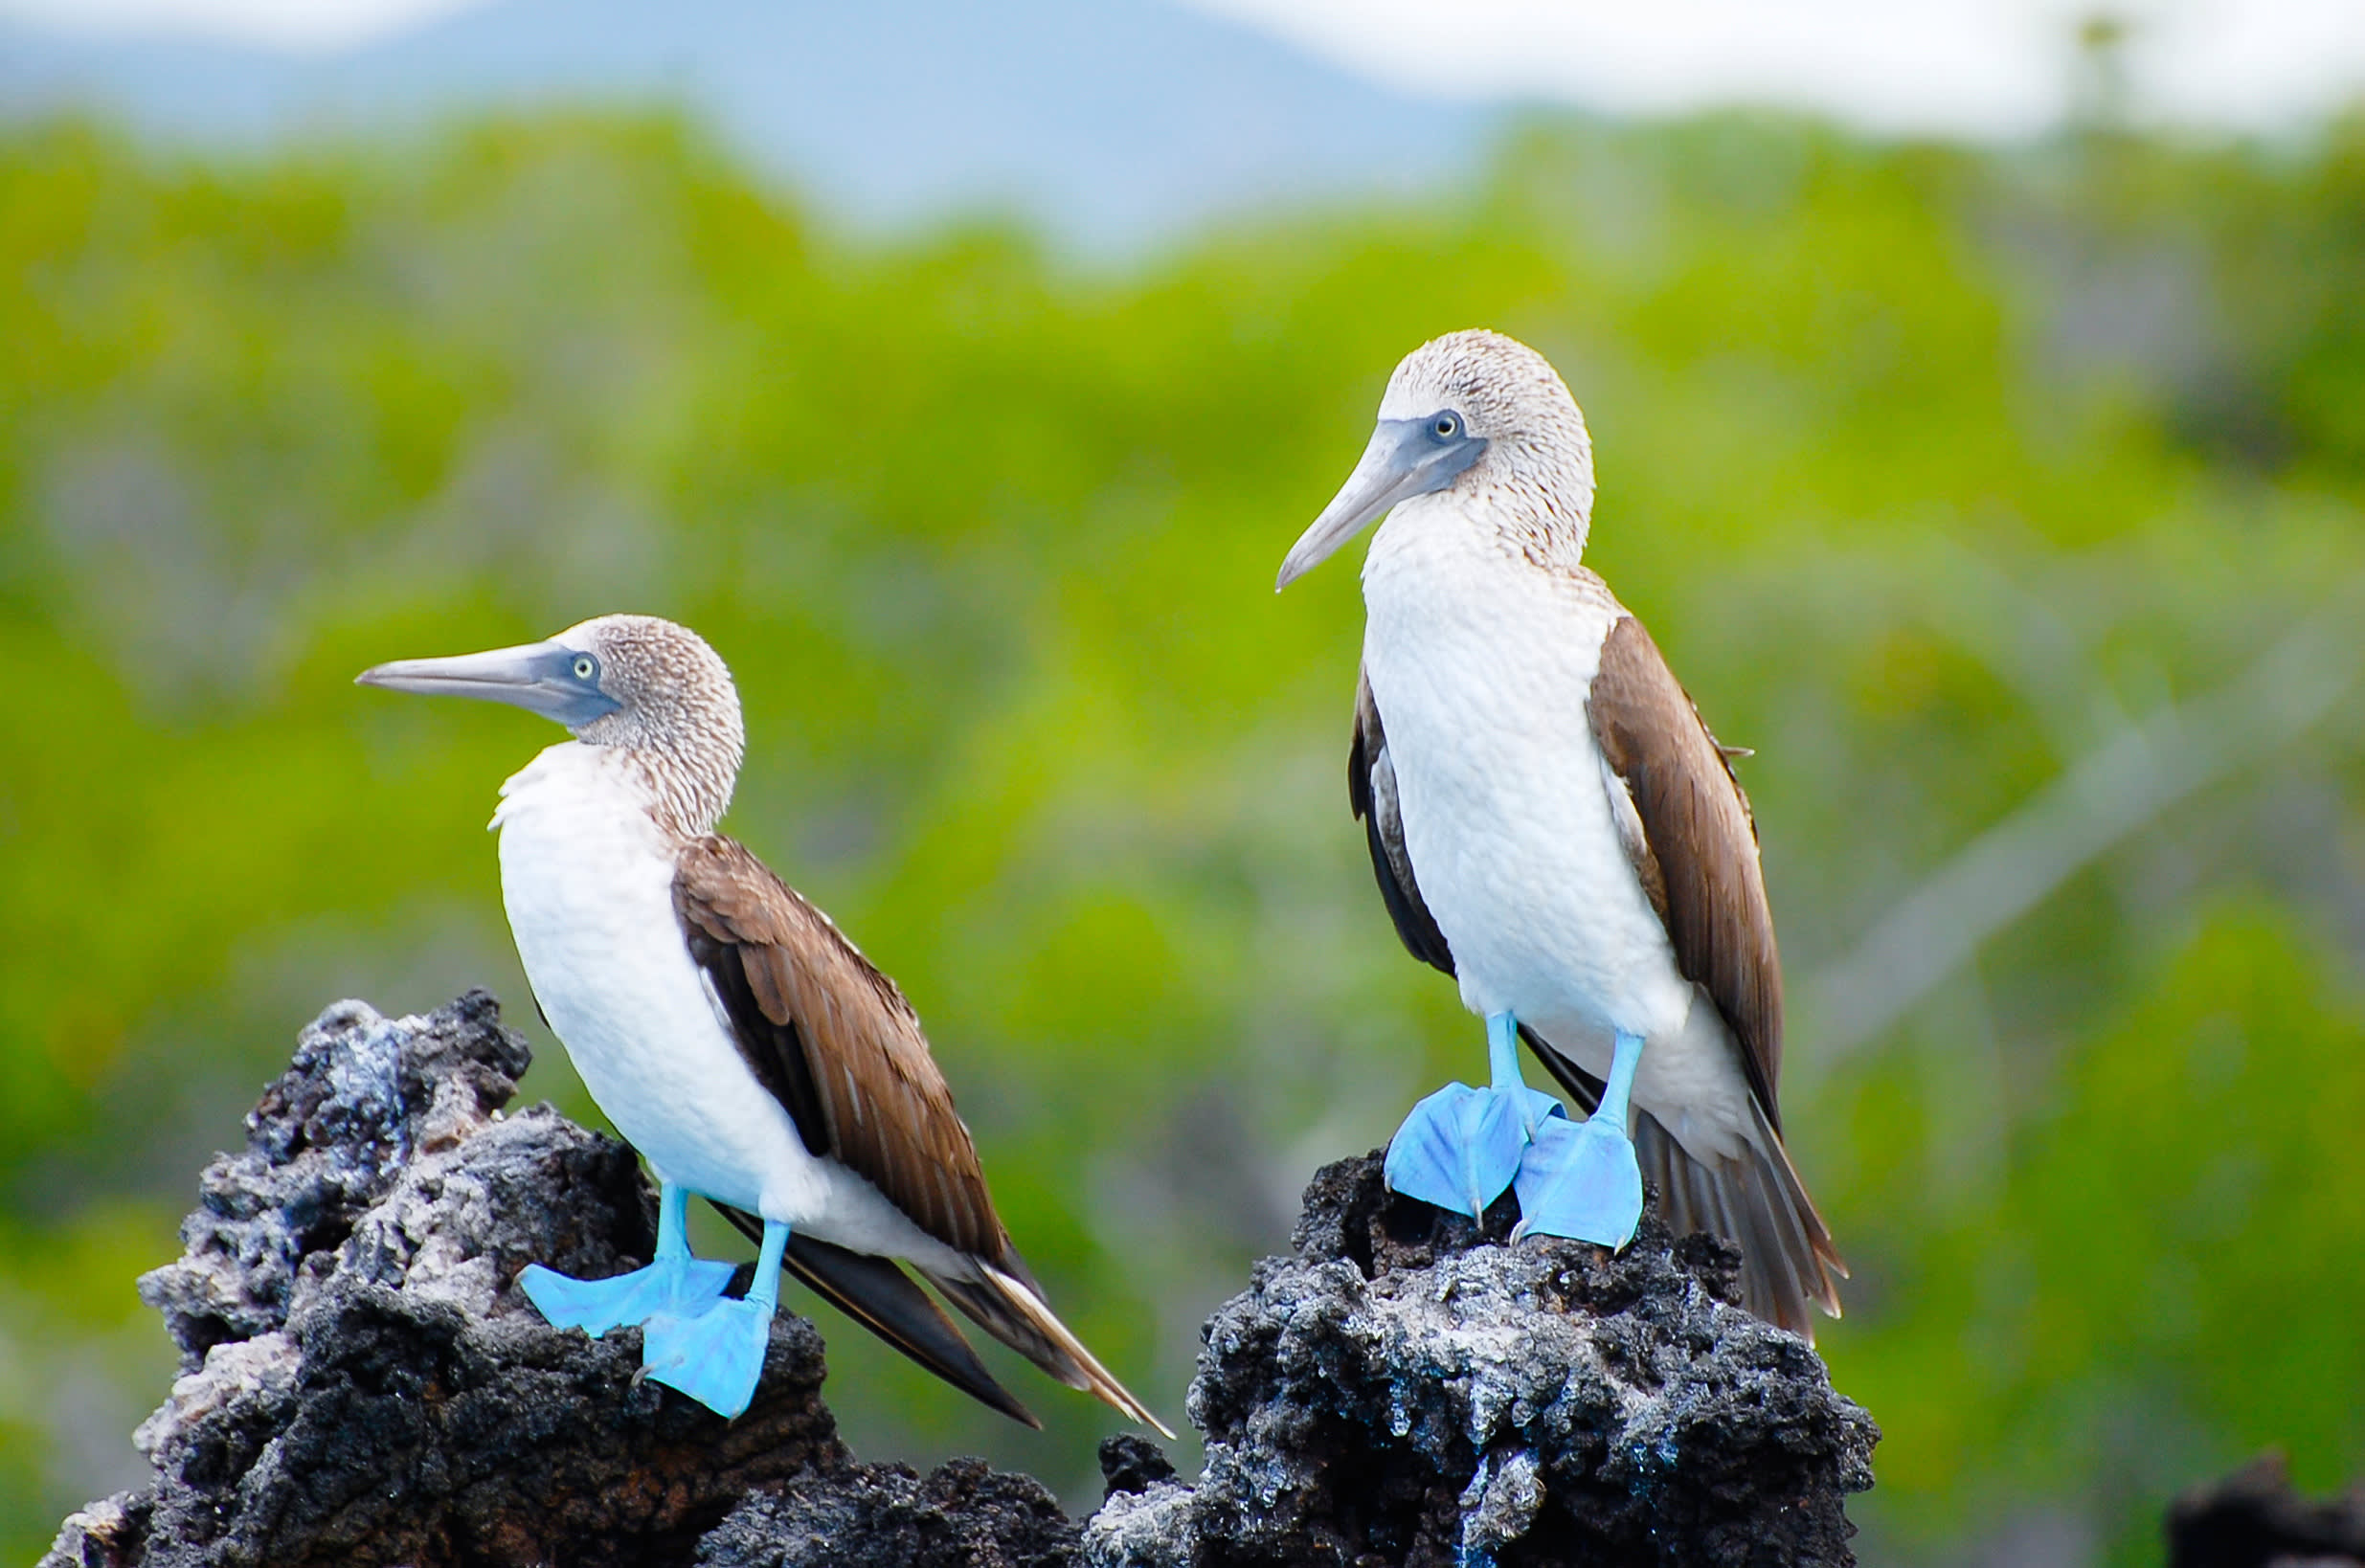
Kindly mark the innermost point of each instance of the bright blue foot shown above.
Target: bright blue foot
(1580, 1180)
(1461, 1146)
(674, 1282)
(717, 1357)
(596, 1306)
(714, 1357)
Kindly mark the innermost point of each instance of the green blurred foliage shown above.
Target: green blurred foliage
(1932, 470)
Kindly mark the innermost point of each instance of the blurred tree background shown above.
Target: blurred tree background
(2008, 503)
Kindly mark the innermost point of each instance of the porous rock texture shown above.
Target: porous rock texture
(1409, 1388)
(362, 1384)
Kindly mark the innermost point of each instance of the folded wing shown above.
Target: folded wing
(836, 1042)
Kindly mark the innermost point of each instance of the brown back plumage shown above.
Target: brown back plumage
(1697, 857)
(836, 1042)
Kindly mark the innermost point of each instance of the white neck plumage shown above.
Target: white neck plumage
(684, 800)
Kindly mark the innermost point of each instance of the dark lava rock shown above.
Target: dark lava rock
(965, 1515)
(1130, 1461)
(2253, 1519)
(1409, 1388)
(361, 1383)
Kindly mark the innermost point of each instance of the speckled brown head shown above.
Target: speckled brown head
(1473, 412)
(649, 688)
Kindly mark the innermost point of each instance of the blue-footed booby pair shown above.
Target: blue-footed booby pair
(745, 1048)
(1552, 825)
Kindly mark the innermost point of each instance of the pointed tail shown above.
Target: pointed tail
(1008, 1305)
(1787, 1261)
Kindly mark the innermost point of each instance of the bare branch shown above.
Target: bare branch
(2108, 797)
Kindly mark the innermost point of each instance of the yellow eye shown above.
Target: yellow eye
(1446, 427)
(583, 667)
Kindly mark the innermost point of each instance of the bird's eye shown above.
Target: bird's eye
(1445, 426)
(584, 668)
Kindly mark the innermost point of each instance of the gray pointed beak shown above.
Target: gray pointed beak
(540, 676)
(1404, 460)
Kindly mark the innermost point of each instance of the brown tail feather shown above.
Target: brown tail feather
(1757, 1202)
(1008, 1308)
(1787, 1261)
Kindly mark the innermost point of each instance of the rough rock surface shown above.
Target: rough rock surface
(362, 1385)
(1406, 1389)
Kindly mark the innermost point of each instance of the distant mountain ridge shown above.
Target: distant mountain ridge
(1114, 123)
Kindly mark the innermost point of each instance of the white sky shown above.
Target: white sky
(1981, 67)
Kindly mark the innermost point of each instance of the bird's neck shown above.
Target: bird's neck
(1540, 502)
(1510, 513)
(1536, 504)
(684, 795)
(688, 791)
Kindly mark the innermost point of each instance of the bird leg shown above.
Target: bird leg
(716, 1356)
(674, 1281)
(1580, 1178)
(1461, 1146)
(1503, 1065)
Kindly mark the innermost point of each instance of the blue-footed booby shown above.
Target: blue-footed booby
(744, 1046)
(1552, 825)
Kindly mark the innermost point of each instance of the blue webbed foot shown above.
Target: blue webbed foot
(596, 1306)
(673, 1281)
(1580, 1178)
(716, 1356)
(1461, 1146)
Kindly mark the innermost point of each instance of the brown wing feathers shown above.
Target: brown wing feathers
(837, 1045)
(1701, 840)
(1699, 859)
(836, 1041)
